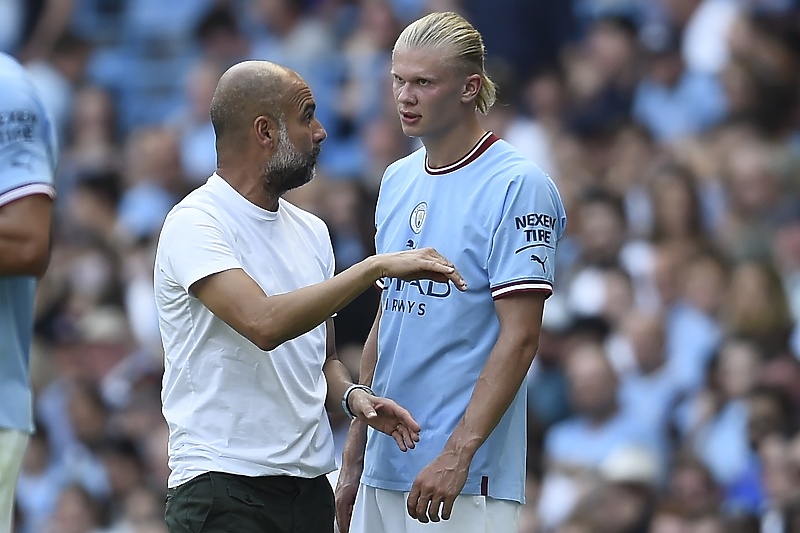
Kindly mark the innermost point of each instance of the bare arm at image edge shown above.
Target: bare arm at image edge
(25, 235)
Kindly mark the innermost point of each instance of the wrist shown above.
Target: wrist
(375, 267)
(354, 388)
(464, 447)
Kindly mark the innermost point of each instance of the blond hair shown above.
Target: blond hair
(453, 31)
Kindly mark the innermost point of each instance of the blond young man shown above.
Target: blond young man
(457, 361)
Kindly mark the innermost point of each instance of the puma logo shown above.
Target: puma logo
(539, 260)
(410, 244)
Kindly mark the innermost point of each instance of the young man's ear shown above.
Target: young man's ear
(472, 87)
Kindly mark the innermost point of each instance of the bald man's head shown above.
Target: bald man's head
(245, 91)
(265, 127)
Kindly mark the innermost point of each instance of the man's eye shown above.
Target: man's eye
(423, 82)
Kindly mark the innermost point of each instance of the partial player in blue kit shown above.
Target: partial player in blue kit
(457, 361)
(28, 152)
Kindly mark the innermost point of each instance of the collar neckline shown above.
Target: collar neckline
(480, 147)
(242, 203)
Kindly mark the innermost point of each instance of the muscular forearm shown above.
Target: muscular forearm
(494, 391)
(338, 379)
(20, 258)
(369, 355)
(287, 316)
(268, 321)
(25, 236)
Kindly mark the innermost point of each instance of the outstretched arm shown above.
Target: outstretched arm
(439, 483)
(268, 321)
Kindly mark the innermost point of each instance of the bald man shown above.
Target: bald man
(245, 293)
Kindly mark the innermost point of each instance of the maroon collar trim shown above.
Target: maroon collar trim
(482, 145)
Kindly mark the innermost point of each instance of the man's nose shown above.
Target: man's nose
(319, 133)
(405, 95)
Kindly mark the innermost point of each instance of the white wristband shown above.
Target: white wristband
(346, 396)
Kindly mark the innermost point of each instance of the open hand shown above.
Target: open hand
(386, 416)
(424, 263)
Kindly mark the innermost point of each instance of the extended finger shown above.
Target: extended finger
(406, 419)
(412, 439)
(408, 436)
(398, 438)
(438, 265)
(411, 502)
(439, 257)
(433, 510)
(433, 252)
(450, 272)
(422, 508)
(447, 509)
(457, 279)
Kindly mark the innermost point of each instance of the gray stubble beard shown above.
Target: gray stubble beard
(288, 168)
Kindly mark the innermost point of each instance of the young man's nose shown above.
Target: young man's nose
(405, 95)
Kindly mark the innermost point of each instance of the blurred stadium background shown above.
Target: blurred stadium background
(666, 394)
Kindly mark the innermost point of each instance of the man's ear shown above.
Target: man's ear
(472, 86)
(266, 131)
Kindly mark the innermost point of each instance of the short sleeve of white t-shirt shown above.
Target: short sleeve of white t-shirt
(197, 247)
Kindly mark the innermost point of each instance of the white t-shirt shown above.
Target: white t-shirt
(230, 406)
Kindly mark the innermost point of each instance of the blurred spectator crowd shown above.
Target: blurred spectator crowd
(665, 397)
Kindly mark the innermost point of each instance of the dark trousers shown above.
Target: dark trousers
(226, 503)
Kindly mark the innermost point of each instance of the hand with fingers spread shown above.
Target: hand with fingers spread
(437, 486)
(386, 416)
(424, 263)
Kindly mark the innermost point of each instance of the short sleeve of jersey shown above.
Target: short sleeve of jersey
(522, 256)
(193, 246)
(27, 141)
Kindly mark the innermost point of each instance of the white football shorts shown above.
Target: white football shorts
(12, 451)
(384, 511)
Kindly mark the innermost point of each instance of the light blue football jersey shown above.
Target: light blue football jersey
(498, 218)
(27, 166)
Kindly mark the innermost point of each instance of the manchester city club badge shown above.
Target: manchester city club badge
(418, 217)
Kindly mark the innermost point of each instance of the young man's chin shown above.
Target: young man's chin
(411, 130)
